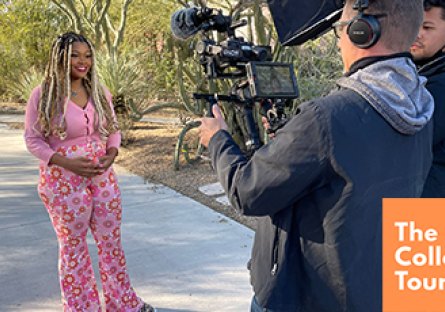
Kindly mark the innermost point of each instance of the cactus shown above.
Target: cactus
(307, 60)
(179, 146)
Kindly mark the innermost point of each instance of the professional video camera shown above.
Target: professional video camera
(270, 84)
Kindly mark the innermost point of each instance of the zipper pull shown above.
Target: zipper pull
(274, 269)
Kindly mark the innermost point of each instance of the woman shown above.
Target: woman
(70, 127)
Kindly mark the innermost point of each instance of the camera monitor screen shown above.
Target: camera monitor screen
(272, 80)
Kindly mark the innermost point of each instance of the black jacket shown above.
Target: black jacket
(434, 71)
(317, 189)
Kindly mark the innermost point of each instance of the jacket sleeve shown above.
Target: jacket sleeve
(281, 172)
(35, 140)
(114, 140)
(437, 91)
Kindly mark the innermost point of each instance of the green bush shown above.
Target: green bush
(22, 87)
(317, 65)
(27, 31)
(123, 75)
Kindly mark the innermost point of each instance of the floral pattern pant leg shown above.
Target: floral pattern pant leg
(76, 204)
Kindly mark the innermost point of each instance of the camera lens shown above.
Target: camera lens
(261, 53)
(201, 47)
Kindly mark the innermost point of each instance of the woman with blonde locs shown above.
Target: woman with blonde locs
(70, 126)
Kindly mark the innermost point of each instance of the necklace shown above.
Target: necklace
(75, 93)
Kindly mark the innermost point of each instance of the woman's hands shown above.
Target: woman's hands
(81, 166)
(107, 160)
(85, 167)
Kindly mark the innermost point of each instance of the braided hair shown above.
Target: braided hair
(56, 91)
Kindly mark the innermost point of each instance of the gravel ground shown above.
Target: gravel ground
(149, 153)
(12, 108)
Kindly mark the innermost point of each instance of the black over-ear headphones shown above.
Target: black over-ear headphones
(364, 30)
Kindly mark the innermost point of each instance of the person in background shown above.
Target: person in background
(70, 126)
(429, 56)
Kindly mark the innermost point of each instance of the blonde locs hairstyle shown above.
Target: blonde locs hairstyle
(56, 91)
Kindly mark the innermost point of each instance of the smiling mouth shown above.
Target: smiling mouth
(82, 69)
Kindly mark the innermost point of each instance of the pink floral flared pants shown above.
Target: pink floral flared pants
(76, 204)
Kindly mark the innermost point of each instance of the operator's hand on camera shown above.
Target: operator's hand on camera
(267, 126)
(210, 126)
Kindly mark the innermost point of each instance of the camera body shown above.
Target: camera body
(230, 53)
(234, 58)
(271, 84)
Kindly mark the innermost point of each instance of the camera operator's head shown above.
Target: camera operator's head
(398, 22)
(431, 38)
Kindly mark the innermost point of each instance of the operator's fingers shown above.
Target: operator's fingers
(265, 122)
(216, 112)
(205, 122)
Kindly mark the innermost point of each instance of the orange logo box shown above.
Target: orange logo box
(414, 255)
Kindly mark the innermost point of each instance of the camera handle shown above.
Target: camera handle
(252, 139)
(211, 99)
(245, 111)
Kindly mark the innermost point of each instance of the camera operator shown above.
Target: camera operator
(317, 188)
(429, 56)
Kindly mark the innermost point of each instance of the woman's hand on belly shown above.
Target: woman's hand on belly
(84, 167)
(106, 162)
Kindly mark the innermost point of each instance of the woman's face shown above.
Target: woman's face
(81, 56)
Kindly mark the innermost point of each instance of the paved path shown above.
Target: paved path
(12, 118)
(182, 256)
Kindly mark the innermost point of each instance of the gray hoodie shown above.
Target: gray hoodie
(392, 87)
(317, 188)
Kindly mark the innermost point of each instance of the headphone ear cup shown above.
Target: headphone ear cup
(364, 31)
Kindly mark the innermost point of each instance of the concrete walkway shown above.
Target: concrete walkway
(181, 255)
(12, 118)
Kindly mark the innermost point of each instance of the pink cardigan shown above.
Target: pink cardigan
(79, 129)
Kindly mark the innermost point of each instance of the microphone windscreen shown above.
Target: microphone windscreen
(182, 23)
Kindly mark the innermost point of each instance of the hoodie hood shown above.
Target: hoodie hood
(395, 90)
(433, 66)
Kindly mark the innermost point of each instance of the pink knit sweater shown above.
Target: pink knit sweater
(79, 129)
